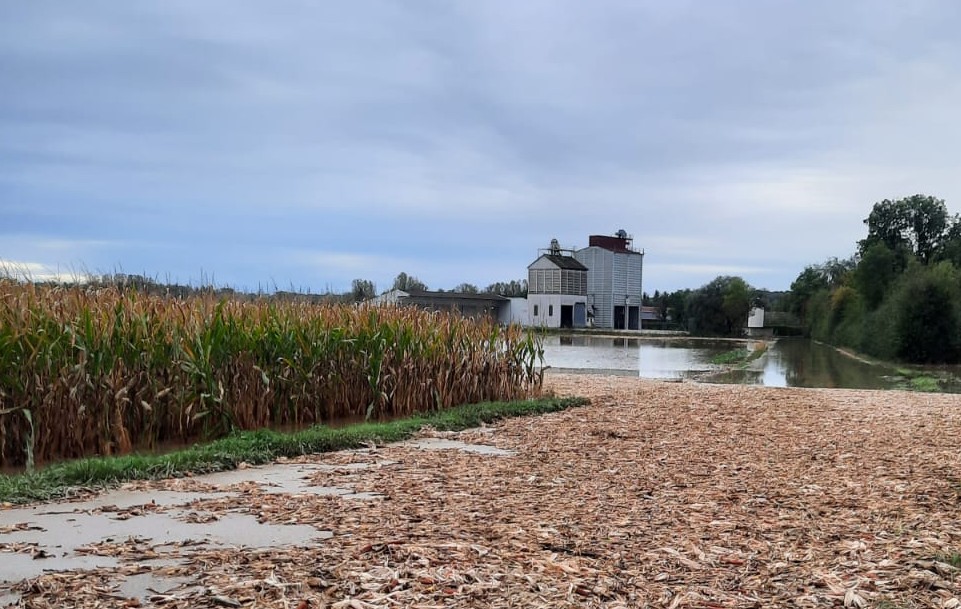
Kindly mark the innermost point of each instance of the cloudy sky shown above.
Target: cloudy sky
(303, 144)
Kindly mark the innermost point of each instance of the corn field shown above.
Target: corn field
(104, 371)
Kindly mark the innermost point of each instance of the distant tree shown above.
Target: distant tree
(951, 245)
(514, 288)
(466, 288)
(662, 305)
(877, 270)
(675, 305)
(720, 307)
(737, 303)
(927, 320)
(408, 283)
(362, 289)
(916, 224)
(811, 281)
(837, 270)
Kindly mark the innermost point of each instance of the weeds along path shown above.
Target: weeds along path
(657, 494)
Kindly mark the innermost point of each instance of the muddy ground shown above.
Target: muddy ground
(658, 494)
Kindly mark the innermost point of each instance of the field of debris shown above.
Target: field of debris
(656, 495)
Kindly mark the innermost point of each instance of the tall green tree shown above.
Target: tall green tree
(927, 319)
(737, 302)
(466, 288)
(408, 283)
(720, 307)
(877, 270)
(917, 224)
(362, 289)
(513, 288)
(675, 306)
(811, 281)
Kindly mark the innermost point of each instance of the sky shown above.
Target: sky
(302, 144)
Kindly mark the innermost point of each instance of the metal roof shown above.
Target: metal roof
(456, 295)
(564, 262)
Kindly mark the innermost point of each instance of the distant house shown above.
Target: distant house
(468, 305)
(651, 314)
(614, 278)
(557, 290)
(514, 311)
(765, 324)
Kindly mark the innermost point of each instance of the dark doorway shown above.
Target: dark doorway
(633, 318)
(567, 316)
(618, 318)
(580, 315)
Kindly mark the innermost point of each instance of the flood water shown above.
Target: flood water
(646, 357)
(805, 363)
(787, 363)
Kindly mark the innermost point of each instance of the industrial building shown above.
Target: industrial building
(614, 276)
(468, 305)
(596, 286)
(557, 290)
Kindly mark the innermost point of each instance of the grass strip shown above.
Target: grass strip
(734, 356)
(256, 447)
(739, 357)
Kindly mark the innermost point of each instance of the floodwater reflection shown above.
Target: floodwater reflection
(645, 357)
(787, 363)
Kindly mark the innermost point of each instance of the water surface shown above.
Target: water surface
(646, 357)
(787, 363)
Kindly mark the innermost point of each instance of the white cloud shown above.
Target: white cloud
(456, 139)
(37, 271)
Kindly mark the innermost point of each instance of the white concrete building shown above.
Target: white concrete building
(557, 290)
(514, 311)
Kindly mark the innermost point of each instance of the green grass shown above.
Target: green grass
(255, 447)
(738, 357)
(952, 559)
(919, 380)
(928, 384)
(735, 356)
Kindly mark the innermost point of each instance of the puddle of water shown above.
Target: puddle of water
(70, 531)
(351, 467)
(287, 479)
(442, 444)
(18, 566)
(144, 585)
(122, 499)
(126, 499)
(9, 599)
(62, 534)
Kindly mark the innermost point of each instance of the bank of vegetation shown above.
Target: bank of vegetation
(256, 447)
(740, 357)
(103, 370)
(899, 296)
(718, 308)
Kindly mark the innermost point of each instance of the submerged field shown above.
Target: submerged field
(657, 494)
(86, 371)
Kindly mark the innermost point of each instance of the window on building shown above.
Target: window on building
(535, 310)
(550, 310)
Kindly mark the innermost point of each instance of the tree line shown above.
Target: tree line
(360, 290)
(899, 296)
(718, 308)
